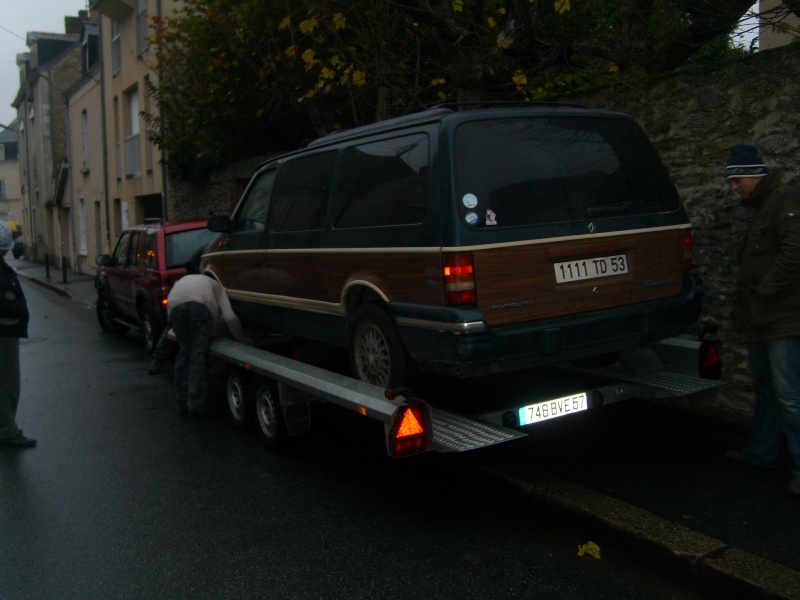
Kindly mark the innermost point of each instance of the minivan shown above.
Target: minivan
(464, 242)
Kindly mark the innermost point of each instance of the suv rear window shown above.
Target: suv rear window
(180, 245)
(533, 171)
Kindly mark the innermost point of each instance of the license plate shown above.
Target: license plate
(591, 268)
(552, 409)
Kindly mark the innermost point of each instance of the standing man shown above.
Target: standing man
(196, 304)
(13, 325)
(767, 309)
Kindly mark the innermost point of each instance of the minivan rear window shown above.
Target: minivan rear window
(540, 170)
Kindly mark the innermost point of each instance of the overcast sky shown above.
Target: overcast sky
(17, 18)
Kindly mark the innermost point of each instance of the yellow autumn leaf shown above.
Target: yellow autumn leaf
(589, 548)
(309, 57)
(359, 78)
(612, 68)
(309, 25)
(561, 6)
(438, 81)
(519, 78)
(336, 61)
(501, 10)
(504, 41)
(285, 24)
(492, 22)
(327, 73)
(339, 21)
(290, 51)
(458, 5)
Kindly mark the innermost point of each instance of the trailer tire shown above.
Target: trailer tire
(238, 405)
(269, 418)
(377, 354)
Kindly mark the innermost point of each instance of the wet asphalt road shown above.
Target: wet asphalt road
(123, 498)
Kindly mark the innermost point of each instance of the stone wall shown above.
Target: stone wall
(694, 119)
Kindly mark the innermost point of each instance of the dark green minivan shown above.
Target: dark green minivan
(464, 242)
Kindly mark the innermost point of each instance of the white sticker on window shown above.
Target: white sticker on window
(470, 200)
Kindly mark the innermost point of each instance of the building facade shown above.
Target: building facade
(778, 26)
(10, 190)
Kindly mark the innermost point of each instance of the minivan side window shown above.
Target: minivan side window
(383, 183)
(253, 215)
(301, 194)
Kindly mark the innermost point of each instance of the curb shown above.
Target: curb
(62, 290)
(711, 564)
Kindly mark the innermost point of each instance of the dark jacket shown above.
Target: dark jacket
(768, 291)
(13, 307)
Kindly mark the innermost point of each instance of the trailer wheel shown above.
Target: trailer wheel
(269, 419)
(236, 395)
(377, 353)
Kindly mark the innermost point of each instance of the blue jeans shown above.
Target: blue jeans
(776, 375)
(193, 325)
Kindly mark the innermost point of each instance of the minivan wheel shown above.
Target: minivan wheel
(377, 354)
(105, 316)
(269, 419)
(236, 395)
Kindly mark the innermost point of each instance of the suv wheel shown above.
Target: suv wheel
(105, 316)
(377, 354)
(149, 329)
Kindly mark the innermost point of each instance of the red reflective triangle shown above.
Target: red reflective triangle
(409, 425)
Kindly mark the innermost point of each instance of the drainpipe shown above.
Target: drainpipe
(164, 199)
(105, 131)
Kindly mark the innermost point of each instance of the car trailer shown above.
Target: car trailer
(280, 391)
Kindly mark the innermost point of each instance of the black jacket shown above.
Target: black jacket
(768, 294)
(13, 307)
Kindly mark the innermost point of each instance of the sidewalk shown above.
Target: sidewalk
(716, 565)
(78, 287)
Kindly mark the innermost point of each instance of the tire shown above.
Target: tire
(105, 316)
(238, 404)
(377, 354)
(268, 412)
(150, 330)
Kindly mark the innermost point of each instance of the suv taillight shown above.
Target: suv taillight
(687, 250)
(163, 292)
(459, 278)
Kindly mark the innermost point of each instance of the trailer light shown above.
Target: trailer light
(408, 435)
(710, 362)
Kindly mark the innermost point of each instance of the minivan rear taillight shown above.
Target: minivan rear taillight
(687, 250)
(459, 278)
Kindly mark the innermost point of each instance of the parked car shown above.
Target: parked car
(19, 247)
(133, 283)
(464, 243)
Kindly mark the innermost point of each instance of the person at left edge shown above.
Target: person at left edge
(13, 325)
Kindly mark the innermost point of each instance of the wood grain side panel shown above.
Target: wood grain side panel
(518, 284)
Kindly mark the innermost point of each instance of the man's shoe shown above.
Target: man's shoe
(156, 367)
(740, 457)
(794, 485)
(18, 441)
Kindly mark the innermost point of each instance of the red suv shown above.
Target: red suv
(133, 283)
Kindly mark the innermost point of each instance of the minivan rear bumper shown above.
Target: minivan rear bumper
(466, 347)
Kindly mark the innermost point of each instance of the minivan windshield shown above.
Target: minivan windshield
(538, 170)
